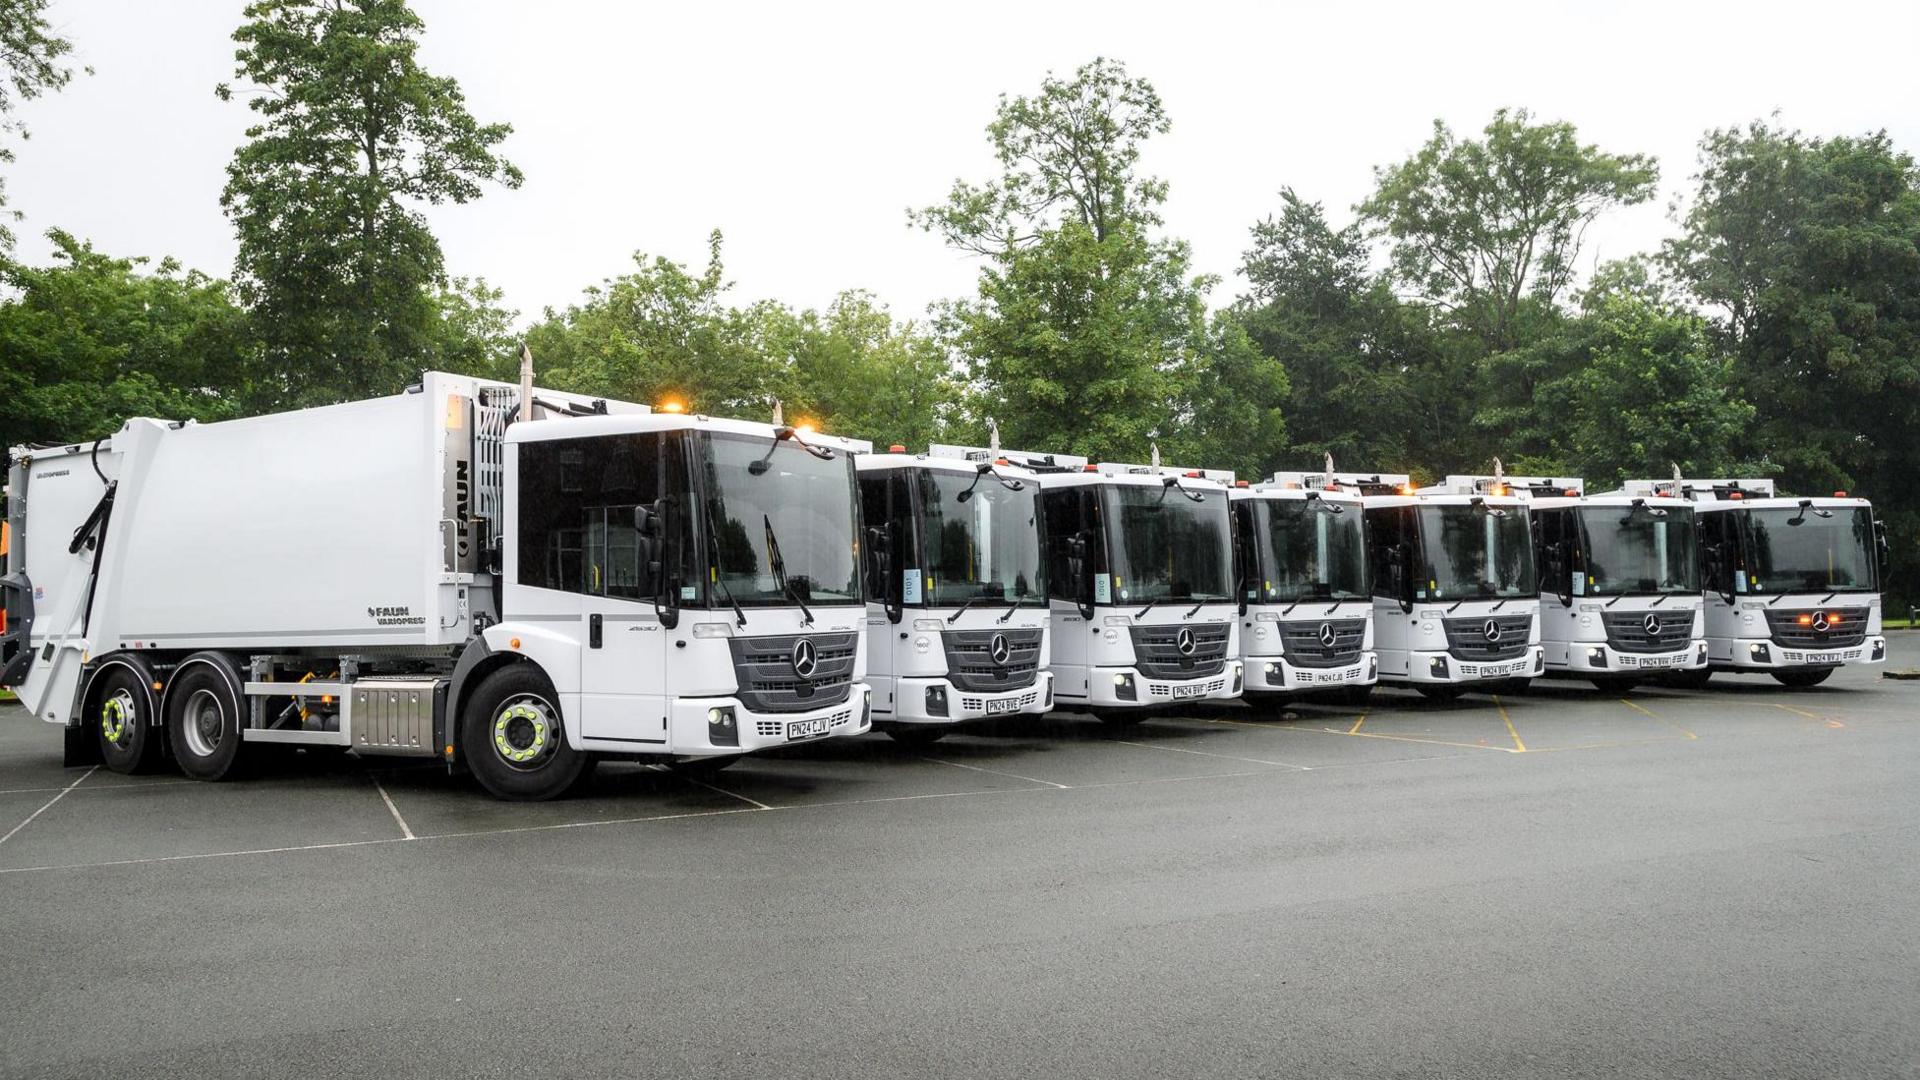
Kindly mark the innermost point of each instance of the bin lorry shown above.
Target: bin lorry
(1619, 583)
(1139, 573)
(1306, 617)
(1455, 600)
(515, 581)
(1790, 585)
(956, 589)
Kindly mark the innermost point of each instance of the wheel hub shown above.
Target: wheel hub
(206, 723)
(523, 734)
(117, 717)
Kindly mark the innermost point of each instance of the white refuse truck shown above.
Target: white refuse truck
(1455, 601)
(1791, 586)
(956, 588)
(1619, 583)
(1306, 616)
(1140, 576)
(515, 587)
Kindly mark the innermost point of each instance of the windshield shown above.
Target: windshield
(1630, 550)
(1310, 554)
(1830, 554)
(1472, 553)
(1164, 545)
(987, 547)
(792, 523)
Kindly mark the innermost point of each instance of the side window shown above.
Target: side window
(576, 513)
(1386, 543)
(1063, 512)
(1246, 564)
(874, 515)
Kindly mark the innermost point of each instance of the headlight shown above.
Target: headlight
(721, 728)
(1123, 687)
(1597, 657)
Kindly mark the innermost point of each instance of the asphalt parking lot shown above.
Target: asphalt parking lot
(1700, 884)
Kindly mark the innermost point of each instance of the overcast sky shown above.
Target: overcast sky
(805, 131)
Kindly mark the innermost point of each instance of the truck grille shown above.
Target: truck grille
(1319, 643)
(1156, 651)
(971, 664)
(1845, 627)
(1468, 638)
(769, 681)
(1631, 631)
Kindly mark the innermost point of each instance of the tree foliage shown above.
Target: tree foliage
(92, 340)
(353, 136)
(32, 63)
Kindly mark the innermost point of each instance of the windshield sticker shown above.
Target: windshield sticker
(1739, 582)
(1103, 588)
(1579, 583)
(689, 592)
(910, 586)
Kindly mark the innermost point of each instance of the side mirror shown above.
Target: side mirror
(1883, 548)
(1080, 574)
(1402, 588)
(880, 542)
(649, 522)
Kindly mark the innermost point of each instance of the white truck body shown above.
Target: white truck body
(1307, 619)
(1455, 601)
(1140, 572)
(1619, 583)
(1791, 586)
(389, 540)
(957, 615)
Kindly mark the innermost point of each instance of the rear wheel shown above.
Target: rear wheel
(918, 735)
(1801, 678)
(128, 740)
(513, 739)
(1441, 691)
(203, 723)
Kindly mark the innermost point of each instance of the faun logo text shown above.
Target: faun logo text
(395, 616)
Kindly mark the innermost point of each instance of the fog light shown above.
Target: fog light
(1373, 668)
(1879, 650)
(1123, 687)
(1597, 657)
(1760, 653)
(866, 707)
(937, 700)
(1239, 678)
(721, 729)
(1275, 673)
(1540, 662)
(1437, 667)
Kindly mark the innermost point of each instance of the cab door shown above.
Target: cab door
(624, 691)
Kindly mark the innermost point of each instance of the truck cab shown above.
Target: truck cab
(1619, 583)
(1140, 577)
(1455, 600)
(957, 611)
(1306, 617)
(1790, 586)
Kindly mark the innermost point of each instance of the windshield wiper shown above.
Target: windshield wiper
(778, 565)
(985, 469)
(962, 609)
(1173, 482)
(713, 546)
(1196, 607)
(1011, 608)
(1143, 611)
(780, 435)
(1664, 597)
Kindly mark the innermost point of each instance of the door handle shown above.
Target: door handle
(593, 631)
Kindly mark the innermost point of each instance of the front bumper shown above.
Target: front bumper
(1276, 675)
(1107, 688)
(699, 732)
(1599, 658)
(911, 701)
(1743, 654)
(1440, 666)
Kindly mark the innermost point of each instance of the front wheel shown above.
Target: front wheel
(128, 740)
(1801, 678)
(1441, 691)
(512, 738)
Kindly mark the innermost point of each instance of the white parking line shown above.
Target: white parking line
(997, 772)
(755, 803)
(1209, 753)
(406, 833)
(49, 802)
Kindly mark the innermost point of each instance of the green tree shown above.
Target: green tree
(1489, 229)
(31, 64)
(92, 340)
(353, 136)
(863, 374)
(1088, 333)
(1808, 251)
(473, 332)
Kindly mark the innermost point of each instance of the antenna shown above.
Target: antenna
(993, 440)
(1499, 472)
(526, 381)
(1329, 466)
(1677, 477)
(1155, 460)
(779, 415)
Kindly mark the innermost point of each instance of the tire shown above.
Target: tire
(1615, 685)
(1690, 679)
(1354, 695)
(1121, 718)
(514, 739)
(123, 728)
(917, 735)
(1802, 678)
(203, 723)
(1441, 691)
(700, 767)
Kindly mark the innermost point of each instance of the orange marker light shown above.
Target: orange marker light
(1734, 495)
(1239, 483)
(513, 643)
(1805, 620)
(1091, 467)
(672, 406)
(896, 448)
(1836, 619)
(1406, 489)
(1839, 494)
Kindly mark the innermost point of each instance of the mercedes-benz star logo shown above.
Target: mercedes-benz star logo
(1000, 650)
(1327, 636)
(1184, 641)
(1820, 622)
(804, 658)
(1652, 624)
(1491, 630)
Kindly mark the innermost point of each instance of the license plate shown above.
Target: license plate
(1663, 661)
(806, 729)
(1495, 670)
(1002, 705)
(1186, 690)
